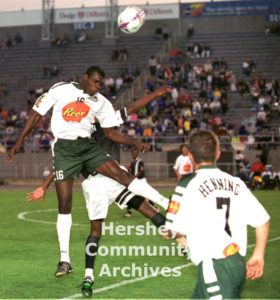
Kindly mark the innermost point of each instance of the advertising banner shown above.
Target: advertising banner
(98, 14)
(231, 8)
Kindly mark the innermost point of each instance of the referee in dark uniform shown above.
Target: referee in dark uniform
(137, 169)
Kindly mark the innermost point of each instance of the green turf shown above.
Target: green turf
(29, 254)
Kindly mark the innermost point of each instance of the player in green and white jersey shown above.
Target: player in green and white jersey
(75, 107)
(213, 209)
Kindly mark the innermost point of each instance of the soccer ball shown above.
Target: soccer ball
(131, 19)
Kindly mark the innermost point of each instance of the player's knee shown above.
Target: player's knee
(135, 202)
(64, 207)
(158, 219)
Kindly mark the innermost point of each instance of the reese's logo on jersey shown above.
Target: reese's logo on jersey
(231, 250)
(75, 111)
(187, 168)
(174, 207)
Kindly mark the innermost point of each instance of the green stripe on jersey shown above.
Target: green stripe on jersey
(169, 221)
(186, 180)
(178, 194)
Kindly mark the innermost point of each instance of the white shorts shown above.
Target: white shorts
(100, 192)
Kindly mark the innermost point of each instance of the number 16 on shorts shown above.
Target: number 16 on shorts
(59, 175)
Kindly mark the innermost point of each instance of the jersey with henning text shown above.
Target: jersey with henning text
(213, 209)
(74, 111)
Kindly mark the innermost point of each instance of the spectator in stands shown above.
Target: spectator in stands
(257, 167)
(242, 175)
(238, 158)
(81, 37)
(131, 131)
(276, 179)
(190, 31)
(66, 40)
(153, 65)
(266, 178)
(3, 90)
(246, 68)
(215, 106)
(54, 70)
(115, 54)
(179, 56)
(261, 118)
(46, 71)
(251, 141)
(165, 32)
(223, 64)
(150, 84)
(17, 38)
(194, 123)
(119, 83)
(190, 48)
(57, 41)
(197, 50)
(158, 32)
(196, 108)
(147, 134)
(39, 91)
(242, 132)
(123, 54)
(172, 55)
(205, 51)
(252, 65)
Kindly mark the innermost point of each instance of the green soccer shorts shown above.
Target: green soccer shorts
(230, 275)
(71, 156)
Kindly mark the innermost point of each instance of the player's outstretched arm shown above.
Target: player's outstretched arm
(32, 121)
(116, 137)
(40, 192)
(255, 264)
(142, 102)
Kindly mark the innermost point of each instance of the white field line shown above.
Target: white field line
(22, 216)
(125, 282)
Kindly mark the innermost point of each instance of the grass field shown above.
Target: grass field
(29, 254)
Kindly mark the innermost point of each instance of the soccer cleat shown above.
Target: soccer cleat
(128, 215)
(87, 286)
(63, 268)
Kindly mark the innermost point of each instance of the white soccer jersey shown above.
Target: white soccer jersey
(183, 164)
(74, 111)
(213, 209)
(275, 175)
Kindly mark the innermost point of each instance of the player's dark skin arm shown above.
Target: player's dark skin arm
(142, 102)
(32, 121)
(116, 137)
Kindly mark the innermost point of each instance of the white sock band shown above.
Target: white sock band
(63, 226)
(142, 188)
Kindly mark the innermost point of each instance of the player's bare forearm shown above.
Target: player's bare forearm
(142, 102)
(261, 238)
(32, 121)
(116, 137)
(255, 264)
